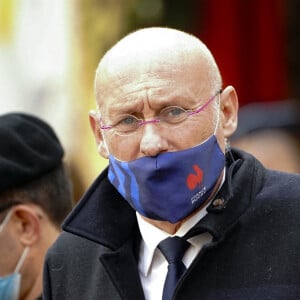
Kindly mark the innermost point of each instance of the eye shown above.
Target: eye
(128, 120)
(127, 123)
(173, 114)
(176, 111)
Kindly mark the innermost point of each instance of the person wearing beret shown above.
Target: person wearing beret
(35, 197)
(178, 214)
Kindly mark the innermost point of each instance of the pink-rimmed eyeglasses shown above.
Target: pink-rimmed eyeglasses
(170, 115)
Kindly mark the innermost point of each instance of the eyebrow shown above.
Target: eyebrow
(137, 107)
(125, 108)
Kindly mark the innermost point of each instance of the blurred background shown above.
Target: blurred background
(49, 51)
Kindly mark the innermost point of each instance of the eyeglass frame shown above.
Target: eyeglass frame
(142, 122)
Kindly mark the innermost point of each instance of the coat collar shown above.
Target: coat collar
(102, 215)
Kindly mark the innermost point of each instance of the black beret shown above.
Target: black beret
(29, 148)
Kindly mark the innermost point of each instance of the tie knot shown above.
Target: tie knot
(173, 248)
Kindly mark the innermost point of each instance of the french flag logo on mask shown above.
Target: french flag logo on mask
(194, 179)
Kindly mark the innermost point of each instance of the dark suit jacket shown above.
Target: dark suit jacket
(255, 252)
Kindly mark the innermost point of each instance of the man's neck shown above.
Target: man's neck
(35, 290)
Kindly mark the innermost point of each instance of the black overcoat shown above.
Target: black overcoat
(254, 254)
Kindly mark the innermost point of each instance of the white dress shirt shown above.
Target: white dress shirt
(153, 266)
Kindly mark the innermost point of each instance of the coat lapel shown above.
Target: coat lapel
(121, 265)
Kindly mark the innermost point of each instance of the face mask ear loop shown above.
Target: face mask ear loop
(21, 260)
(218, 117)
(105, 144)
(102, 131)
(6, 219)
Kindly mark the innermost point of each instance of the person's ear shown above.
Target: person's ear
(101, 145)
(229, 108)
(28, 224)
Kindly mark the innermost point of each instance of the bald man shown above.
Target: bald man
(174, 187)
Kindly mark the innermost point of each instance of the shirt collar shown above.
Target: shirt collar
(152, 236)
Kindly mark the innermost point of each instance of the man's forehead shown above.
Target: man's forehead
(122, 71)
(156, 80)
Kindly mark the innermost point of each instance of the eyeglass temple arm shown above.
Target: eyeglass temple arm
(205, 104)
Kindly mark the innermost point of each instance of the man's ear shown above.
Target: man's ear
(28, 223)
(229, 109)
(101, 145)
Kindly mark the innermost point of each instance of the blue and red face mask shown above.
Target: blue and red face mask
(171, 185)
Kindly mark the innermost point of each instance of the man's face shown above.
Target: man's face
(143, 90)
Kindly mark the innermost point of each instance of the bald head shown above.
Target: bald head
(151, 47)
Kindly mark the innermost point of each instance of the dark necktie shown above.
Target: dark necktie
(173, 249)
